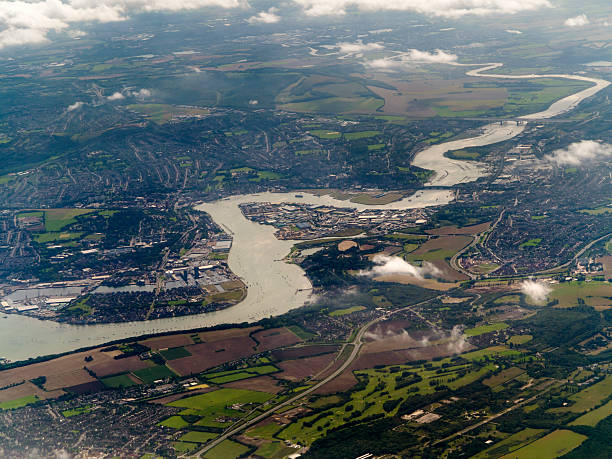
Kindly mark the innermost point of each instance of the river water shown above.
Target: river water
(274, 287)
(449, 172)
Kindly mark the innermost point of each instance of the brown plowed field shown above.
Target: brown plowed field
(216, 335)
(114, 366)
(26, 389)
(340, 384)
(65, 364)
(207, 355)
(69, 378)
(274, 338)
(401, 356)
(301, 352)
(296, 370)
(164, 342)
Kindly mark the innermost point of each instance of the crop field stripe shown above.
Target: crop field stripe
(553, 445)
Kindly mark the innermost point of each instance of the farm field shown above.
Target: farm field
(124, 380)
(151, 374)
(220, 398)
(274, 450)
(503, 377)
(175, 353)
(223, 377)
(511, 443)
(197, 437)
(593, 293)
(553, 445)
(593, 417)
(227, 449)
(18, 403)
(520, 339)
(346, 311)
(174, 422)
(482, 329)
(437, 251)
(588, 398)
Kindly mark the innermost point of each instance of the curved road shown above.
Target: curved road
(356, 343)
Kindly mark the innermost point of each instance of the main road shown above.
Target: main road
(356, 343)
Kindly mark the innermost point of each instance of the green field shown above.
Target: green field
(520, 339)
(597, 210)
(76, 411)
(43, 238)
(503, 377)
(508, 299)
(184, 447)
(227, 449)
(593, 417)
(531, 243)
(175, 422)
(265, 431)
(326, 134)
(18, 403)
(223, 377)
(274, 450)
(56, 219)
(344, 312)
(336, 105)
(360, 135)
(198, 437)
(212, 405)
(553, 445)
(118, 381)
(301, 333)
(462, 154)
(174, 353)
(511, 443)
(482, 329)
(152, 374)
(588, 398)
(593, 293)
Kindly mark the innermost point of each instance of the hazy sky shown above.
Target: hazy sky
(32, 21)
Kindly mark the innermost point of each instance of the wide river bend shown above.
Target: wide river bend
(274, 287)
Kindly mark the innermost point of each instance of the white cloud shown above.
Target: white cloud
(395, 265)
(357, 47)
(76, 106)
(437, 57)
(142, 94)
(29, 22)
(514, 31)
(580, 153)
(443, 8)
(578, 21)
(116, 96)
(253, 102)
(412, 56)
(265, 17)
(536, 291)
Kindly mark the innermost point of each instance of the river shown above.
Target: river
(274, 287)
